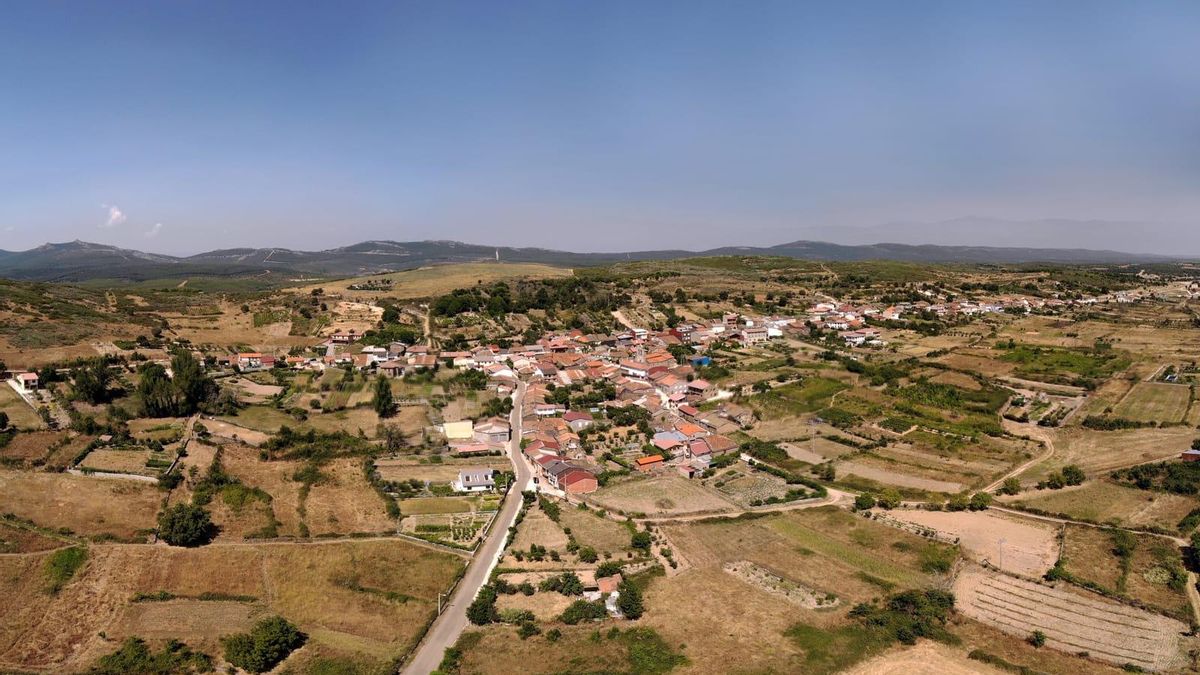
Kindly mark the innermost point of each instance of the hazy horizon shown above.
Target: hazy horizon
(191, 126)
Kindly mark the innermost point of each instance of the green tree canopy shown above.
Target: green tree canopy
(185, 525)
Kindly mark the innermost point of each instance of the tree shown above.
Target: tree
(980, 501)
(630, 600)
(194, 386)
(158, 394)
(185, 525)
(864, 501)
(384, 404)
(1073, 475)
(3, 420)
(1012, 486)
(641, 540)
(267, 644)
(91, 382)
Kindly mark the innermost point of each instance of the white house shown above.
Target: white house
(475, 480)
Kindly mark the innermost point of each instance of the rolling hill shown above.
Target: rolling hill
(81, 261)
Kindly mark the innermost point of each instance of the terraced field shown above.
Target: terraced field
(1072, 622)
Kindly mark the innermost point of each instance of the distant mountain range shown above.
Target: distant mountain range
(82, 261)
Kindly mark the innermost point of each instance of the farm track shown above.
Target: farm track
(1035, 431)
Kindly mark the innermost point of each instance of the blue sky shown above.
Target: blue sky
(184, 126)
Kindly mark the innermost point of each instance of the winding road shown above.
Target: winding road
(453, 620)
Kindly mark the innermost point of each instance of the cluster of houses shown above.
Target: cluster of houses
(640, 371)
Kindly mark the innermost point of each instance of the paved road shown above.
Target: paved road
(446, 629)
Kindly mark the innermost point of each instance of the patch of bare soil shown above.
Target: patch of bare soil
(1021, 546)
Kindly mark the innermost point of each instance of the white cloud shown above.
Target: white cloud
(115, 215)
(153, 232)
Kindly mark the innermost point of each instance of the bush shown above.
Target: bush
(864, 501)
(1037, 638)
(909, 615)
(482, 610)
(608, 568)
(567, 583)
(889, 499)
(980, 501)
(582, 610)
(185, 525)
(265, 646)
(135, 657)
(641, 540)
(527, 630)
(1012, 486)
(1073, 475)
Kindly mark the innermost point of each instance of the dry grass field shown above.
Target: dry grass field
(335, 592)
(345, 503)
(260, 418)
(537, 528)
(87, 505)
(231, 430)
(826, 549)
(1089, 555)
(159, 429)
(1155, 402)
(888, 474)
(1104, 502)
(666, 494)
(29, 446)
(408, 468)
(924, 658)
(15, 539)
(275, 478)
(606, 536)
(425, 282)
(1102, 451)
(20, 414)
(132, 460)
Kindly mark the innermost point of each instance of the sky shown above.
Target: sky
(185, 126)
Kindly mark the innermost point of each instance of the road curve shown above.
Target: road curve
(446, 628)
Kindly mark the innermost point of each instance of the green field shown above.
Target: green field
(807, 396)
(1055, 363)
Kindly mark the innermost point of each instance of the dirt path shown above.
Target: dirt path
(1034, 431)
(616, 313)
